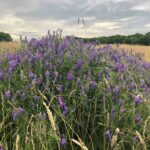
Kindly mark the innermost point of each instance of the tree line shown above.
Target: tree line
(5, 37)
(143, 39)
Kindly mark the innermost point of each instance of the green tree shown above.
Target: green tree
(5, 37)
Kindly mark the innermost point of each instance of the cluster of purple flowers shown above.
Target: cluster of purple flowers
(120, 67)
(62, 105)
(8, 94)
(17, 112)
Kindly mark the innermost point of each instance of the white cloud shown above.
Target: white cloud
(142, 7)
(106, 25)
(147, 25)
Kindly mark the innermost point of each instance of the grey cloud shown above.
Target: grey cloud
(67, 12)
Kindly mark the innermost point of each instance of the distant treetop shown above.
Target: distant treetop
(5, 37)
(143, 39)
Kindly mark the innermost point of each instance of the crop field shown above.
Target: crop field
(62, 94)
(144, 50)
(9, 47)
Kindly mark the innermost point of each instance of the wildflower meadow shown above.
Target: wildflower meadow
(60, 93)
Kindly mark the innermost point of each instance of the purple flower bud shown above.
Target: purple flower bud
(94, 84)
(122, 110)
(60, 101)
(138, 100)
(65, 110)
(117, 67)
(62, 105)
(63, 141)
(1, 147)
(123, 67)
(108, 136)
(17, 112)
(70, 76)
(138, 119)
(131, 87)
(55, 75)
(60, 88)
(8, 94)
(113, 113)
(32, 75)
(47, 74)
(116, 91)
(79, 64)
(52, 66)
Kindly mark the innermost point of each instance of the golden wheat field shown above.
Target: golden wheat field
(11, 47)
(137, 48)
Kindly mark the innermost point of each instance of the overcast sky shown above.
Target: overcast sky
(101, 17)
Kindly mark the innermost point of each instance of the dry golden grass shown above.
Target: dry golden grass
(11, 47)
(137, 48)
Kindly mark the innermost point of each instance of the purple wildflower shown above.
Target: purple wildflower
(123, 67)
(1, 148)
(60, 101)
(13, 64)
(62, 105)
(47, 74)
(120, 67)
(113, 113)
(32, 75)
(108, 135)
(138, 100)
(17, 112)
(79, 64)
(138, 119)
(93, 84)
(116, 91)
(65, 110)
(8, 94)
(142, 84)
(63, 141)
(122, 110)
(117, 67)
(52, 66)
(55, 75)
(70, 76)
(131, 86)
(60, 88)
